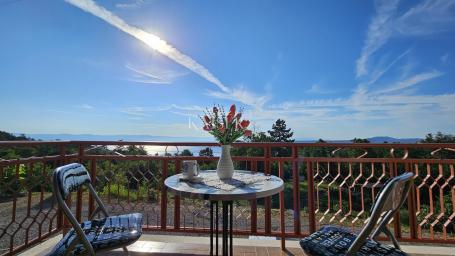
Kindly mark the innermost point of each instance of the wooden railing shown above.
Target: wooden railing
(326, 184)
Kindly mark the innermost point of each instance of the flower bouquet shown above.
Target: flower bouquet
(226, 129)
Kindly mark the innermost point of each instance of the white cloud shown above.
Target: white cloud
(318, 89)
(85, 106)
(242, 95)
(379, 71)
(368, 112)
(187, 114)
(184, 110)
(188, 107)
(131, 4)
(155, 77)
(411, 81)
(429, 17)
(378, 33)
(135, 111)
(444, 58)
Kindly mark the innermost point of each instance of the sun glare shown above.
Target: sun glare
(154, 42)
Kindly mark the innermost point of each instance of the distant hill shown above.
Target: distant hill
(383, 139)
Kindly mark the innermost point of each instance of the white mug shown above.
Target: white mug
(190, 169)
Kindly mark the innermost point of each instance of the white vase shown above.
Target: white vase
(225, 167)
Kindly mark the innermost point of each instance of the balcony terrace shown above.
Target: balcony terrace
(325, 183)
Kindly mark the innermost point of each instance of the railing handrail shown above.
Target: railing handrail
(237, 144)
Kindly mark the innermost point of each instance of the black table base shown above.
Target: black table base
(227, 215)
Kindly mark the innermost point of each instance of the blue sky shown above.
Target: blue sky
(331, 69)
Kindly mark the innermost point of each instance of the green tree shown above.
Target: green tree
(206, 152)
(207, 165)
(259, 137)
(280, 133)
(131, 150)
(185, 152)
(439, 137)
(10, 136)
(359, 140)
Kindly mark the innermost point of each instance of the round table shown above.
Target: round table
(266, 185)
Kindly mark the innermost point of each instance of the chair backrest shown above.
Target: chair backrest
(67, 179)
(70, 178)
(387, 203)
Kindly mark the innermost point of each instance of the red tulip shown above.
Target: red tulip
(207, 128)
(248, 133)
(207, 119)
(245, 123)
(230, 117)
(232, 109)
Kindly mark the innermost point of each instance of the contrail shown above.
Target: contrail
(149, 39)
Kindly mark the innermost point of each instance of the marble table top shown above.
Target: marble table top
(264, 187)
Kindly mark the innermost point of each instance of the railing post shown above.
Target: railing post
(311, 214)
(267, 200)
(412, 208)
(254, 207)
(282, 222)
(91, 200)
(164, 196)
(80, 153)
(396, 218)
(177, 200)
(66, 225)
(79, 191)
(61, 161)
(296, 190)
(29, 196)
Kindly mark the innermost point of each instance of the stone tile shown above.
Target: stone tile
(262, 251)
(274, 251)
(245, 249)
(237, 253)
(294, 251)
(186, 248)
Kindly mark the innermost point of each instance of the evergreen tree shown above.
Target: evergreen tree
(439, 137)
(280, 133)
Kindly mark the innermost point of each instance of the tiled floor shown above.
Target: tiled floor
(165, 245)
(142, 248)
